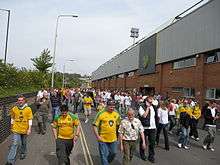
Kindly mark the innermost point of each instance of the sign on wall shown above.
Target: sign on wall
(147, 56)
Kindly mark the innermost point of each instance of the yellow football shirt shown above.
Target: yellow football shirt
(65, 125)
(21, 119)
(87, 102)
(107, 123)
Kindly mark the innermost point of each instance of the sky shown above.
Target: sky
(101, 31)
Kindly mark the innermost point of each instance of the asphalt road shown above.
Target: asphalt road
(41, 150)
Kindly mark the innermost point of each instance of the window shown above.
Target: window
(213, 57)
(187, 92)
(213, 93)
(184, 63)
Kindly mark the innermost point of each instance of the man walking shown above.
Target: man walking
(211, 116)
(129, 130)
(105, 128)
(66, 131)
(21, 122)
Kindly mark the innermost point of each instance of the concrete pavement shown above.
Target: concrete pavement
(41, 150)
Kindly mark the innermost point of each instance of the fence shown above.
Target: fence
(5, 104)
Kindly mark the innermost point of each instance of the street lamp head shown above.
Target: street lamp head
(69, 15)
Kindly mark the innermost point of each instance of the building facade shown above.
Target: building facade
(182, 59)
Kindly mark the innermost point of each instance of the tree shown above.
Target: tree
(42, 63)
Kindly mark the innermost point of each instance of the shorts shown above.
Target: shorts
(87, 111)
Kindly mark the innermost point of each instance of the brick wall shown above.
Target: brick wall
(199, 77)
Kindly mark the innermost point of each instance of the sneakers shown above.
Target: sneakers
(179, 145)
(186, 147)
(193, 137)
(212, 149)
(86, 121)
(170, 132)
(204, 147)
(8, 163)
(22, 156)
(196, 139)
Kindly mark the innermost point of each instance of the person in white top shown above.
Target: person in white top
(127, 100)
(163, 124)
(148, 118)
(122, 105)
(117, 102)
(172, 115)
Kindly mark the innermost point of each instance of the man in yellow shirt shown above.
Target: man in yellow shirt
(105, 127)
(66, 131)
(87, 105)
(21, 122)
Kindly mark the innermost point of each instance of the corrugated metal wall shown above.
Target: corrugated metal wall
(124, 62)
(195, 33)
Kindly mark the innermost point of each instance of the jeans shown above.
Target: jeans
(55, 111)
(172, 122)
(184, 136)
(163, 127)
(63, 150)
(107, 152)
(19, 142)
(193, 128)
(151, 134)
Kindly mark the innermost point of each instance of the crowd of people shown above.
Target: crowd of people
(122, 117)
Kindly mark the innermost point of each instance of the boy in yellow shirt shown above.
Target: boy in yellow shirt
(21, 122)
(87, 105)
(66, 131)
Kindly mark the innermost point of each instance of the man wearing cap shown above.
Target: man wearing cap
(105, 127)
(66, 131)
(21, 122)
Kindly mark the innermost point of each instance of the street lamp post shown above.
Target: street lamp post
(6, 42)
(55, 42)
(64, 66)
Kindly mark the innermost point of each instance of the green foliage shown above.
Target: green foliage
(14, 81)
(42, 63)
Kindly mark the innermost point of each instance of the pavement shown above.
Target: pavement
(41, 150)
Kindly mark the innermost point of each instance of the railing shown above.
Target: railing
(5, 120)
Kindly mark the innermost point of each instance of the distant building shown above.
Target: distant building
(182, 59)
(87, 82)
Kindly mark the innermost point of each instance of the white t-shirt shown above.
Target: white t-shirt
(122, 99)
(117, 97)
(152, 117)
(213, 111)
(127, 100)
(163, 116)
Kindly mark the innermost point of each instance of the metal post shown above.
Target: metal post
(63, 76)
(55, 42)
(54, 52)
(6, 44)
